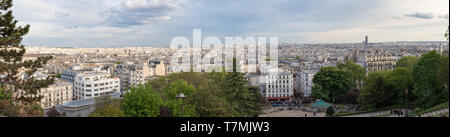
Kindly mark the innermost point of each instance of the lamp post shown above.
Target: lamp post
(182, 96)
(406, 103)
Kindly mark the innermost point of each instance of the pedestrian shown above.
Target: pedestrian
(306, 115)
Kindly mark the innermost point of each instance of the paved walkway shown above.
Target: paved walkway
(292, 113)
(370, 114)
(435, 113)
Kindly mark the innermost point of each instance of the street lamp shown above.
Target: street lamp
(182, 96)
(406, 103)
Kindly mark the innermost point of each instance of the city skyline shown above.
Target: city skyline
(120, 23)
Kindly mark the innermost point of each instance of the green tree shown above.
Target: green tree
(357, 73)
(11, 55)
(31, 110)
(7, 107)
(407, 62)
(208, 99)
(107, 107)
(443, 75)
(331, 82)
(58, 75)
(237, 93)
(174, 103)
(400, 79)
(196, 79)
(376, 92)
(319, 93)
(4, 95)
(141, 101)
(427, 87)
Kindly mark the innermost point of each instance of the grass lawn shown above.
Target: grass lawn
(432, 109)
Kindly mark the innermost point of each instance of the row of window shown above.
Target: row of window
(277, 95)
(97, 89)
(79, 96)
(95, 78)
(279, 81)
(279, 86)
(278, 91)
(57, 93)
(279, 77)
(96, 85)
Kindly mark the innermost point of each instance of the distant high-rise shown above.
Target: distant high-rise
(367, 40)
(365, 43)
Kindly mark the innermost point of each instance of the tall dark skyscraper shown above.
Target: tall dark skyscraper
(366, 42)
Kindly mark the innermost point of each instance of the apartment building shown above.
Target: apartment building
(93, 84)
(304, 82)
(373, 61)
(132, 75)
(56, 94)
(277, 85)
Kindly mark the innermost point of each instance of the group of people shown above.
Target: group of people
(397, 112)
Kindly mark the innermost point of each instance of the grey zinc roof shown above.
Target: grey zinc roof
(86, 102)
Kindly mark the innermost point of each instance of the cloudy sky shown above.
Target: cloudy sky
(103, 23)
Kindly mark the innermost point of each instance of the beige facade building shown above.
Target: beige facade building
(160, 69)
(56, 94)
(373, 61)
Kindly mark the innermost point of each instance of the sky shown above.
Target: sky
(110, 23)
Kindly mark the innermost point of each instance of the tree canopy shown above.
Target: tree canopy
(330, 83)
(425, 74)
(174, 104)
(407, 62)
(357, 73)
(377, 92)
(214, 94)
(13, 68)
(141, 101)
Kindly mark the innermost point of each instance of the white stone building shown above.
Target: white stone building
(279, 85)
(93, 84)
(304, 82)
